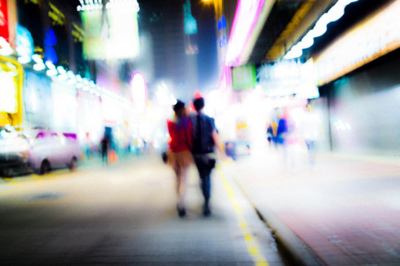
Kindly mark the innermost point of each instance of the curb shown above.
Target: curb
(288, 242)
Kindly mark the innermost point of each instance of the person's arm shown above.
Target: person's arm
(217, 143)
(170, 126)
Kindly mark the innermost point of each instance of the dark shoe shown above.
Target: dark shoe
(206, 210)
(181, 211)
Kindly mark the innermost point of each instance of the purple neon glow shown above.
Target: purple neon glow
(225, 80)
(247, 12)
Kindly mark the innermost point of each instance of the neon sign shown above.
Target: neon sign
(4, 32)
(335, 13)
(247, 12)
(190, 26)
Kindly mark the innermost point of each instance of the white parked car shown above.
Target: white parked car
(51, 150)
(14, 152)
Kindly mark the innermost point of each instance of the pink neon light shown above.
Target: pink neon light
(246, 15)
(225, 81)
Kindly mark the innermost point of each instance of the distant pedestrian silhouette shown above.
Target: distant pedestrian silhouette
(105, 144)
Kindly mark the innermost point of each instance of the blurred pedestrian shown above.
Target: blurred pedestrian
(270, 133)
(205, 139)
(179, 154)
(282, 130)
(312, 131)
(105, 145)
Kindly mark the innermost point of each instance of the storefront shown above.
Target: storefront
(359, 82)
(364, 106)
(90, 122)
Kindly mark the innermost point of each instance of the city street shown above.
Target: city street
(125, 213)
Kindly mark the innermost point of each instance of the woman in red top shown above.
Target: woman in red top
(180, 156)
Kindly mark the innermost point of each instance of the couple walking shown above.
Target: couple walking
(193, 138)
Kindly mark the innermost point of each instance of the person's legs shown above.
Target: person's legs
(104, 156)
(205, 183)
(179, 191)
(182, 186)
(311, 151)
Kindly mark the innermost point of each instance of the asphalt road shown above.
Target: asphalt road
(124, 213)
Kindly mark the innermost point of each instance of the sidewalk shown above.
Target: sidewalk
(343, 211)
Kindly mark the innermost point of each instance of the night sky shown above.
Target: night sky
(207, 42)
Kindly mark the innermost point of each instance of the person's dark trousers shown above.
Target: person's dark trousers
(204, 173)
(104, 155)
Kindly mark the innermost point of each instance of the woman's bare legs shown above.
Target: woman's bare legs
(181, 176)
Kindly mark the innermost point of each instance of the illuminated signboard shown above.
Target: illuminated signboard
(124, 33)
(93, 45)
(377, 35)
(4, 32)
(8, 92)
(113, 33)
(288, 77)
(49, 42)
(244, 77)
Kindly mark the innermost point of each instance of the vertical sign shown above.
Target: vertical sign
(4, 21)
(190, 30)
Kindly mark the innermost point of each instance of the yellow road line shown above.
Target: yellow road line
(252, 244)
(36, 180)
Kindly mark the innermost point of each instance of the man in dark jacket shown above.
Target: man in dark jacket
(205, 139)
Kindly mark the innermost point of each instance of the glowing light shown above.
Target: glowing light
(334, 13)
(62, 73)
(342, 126)
(24, 59)
(122, 29)
(139, 92)
(288, 77)
(295, 52)
(24, 43)
(373, 37)
(5, 49)
(37, 59)
(307, 41)
(247, 12)
(50, 65)
(8, 99)
(39, 67)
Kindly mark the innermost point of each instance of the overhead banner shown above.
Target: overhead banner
(93, 45)
(288, 77)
